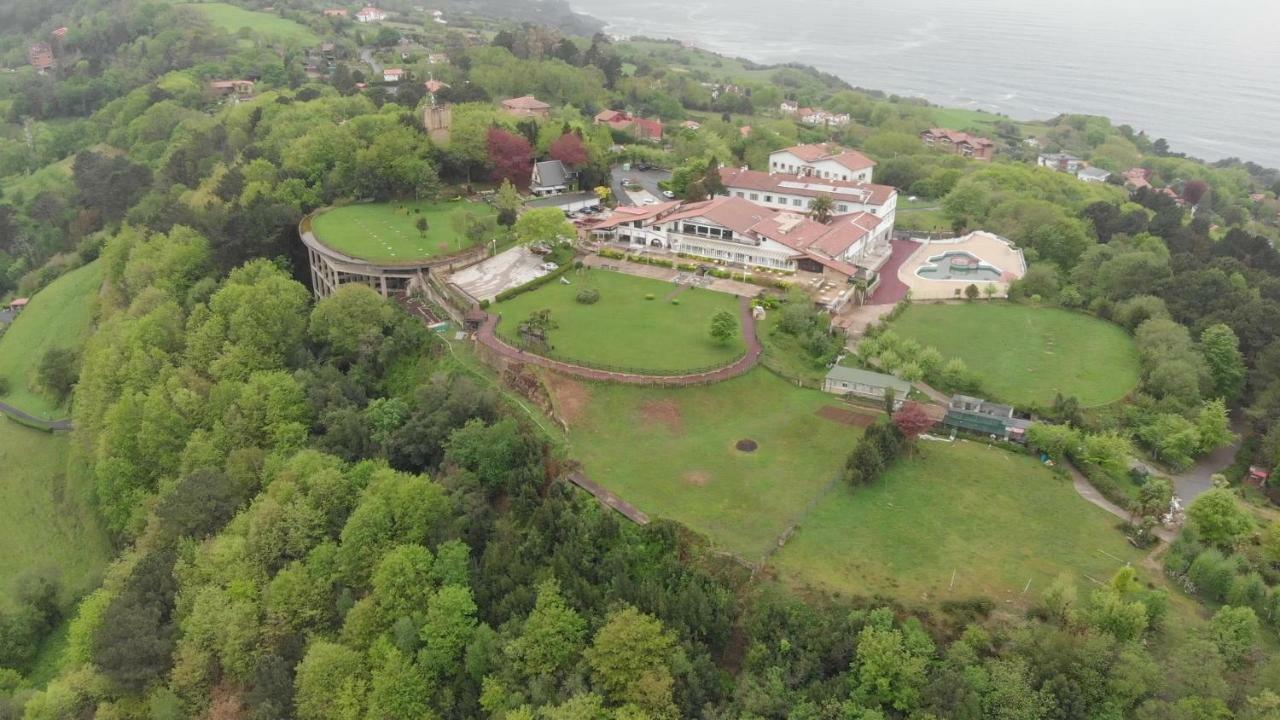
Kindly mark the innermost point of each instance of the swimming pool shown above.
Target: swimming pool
(958, 265)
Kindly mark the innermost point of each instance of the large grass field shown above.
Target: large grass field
(388, 233)
(994, 519)
(624, 329)
(58, 316)
(232, 18)
(1025, 354)
(673, 454)
(48, 523)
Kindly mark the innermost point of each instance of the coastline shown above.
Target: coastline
(1192, 145)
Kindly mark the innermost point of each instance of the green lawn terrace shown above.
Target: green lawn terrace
(959, 520)
(387, 233)
(235, 19)
(675, 453)
(58, 316)
(638, 324)
(1025, 354)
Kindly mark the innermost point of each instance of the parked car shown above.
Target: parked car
(650, 201)
(668, 194)
(549, 266)
(539, 249)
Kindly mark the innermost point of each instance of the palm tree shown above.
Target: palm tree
(822, 208)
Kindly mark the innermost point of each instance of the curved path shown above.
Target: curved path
(488, 337)
(40, 423)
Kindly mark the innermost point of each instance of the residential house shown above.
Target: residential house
(551, 177)
(784, 191)
(1093, 175)
(235, 89)
(392, 75)
(987, 418)
(335, 12)
(527, 106)
(434, 86)
(437, 59)
(789, 107)
(823, 160)
(624, 121)
(1137, 178)
(960, 143)
(691, 125)
(866, 384)
(59, 33)
(40, 55)
(369, 13)
(1061, 162)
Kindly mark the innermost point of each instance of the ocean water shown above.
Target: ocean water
(1204, 74)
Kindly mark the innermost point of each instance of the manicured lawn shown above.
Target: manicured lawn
(48, 523)
(1025, 354)
(388, 232)
(624, 329)
(994, 518)
(231, 18)
(673, 454)
(58, 316)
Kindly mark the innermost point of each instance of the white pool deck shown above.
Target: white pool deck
(991, 250)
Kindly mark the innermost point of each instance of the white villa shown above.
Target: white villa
(823, 160)
(369, 13)
(737, 231)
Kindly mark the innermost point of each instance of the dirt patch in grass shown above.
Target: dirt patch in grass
(845, 416)
(747, 445)
(697, 477)
(571, 397)
(665, 413)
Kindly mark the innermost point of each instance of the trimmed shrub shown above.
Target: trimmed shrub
(589, 296)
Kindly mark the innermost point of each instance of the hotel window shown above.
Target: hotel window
(844, 208)
(795, 201)
(755, 196)
(740, 194)
(768, 198)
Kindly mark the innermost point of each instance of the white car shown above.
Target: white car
(549, 266)
(650, 201)
(668, 194)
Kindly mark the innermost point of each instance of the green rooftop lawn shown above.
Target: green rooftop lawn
(624, 329)
(232, 18)
(995, 519)
(388, 232)
(672, 452)
(1025, 354)
(58, 316)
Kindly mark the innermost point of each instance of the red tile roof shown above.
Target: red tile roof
(818, 152)
(808, 186)
(956, 137)
(527, 102)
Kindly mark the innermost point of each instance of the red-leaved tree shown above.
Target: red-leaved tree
(912, 420)
(511, 156)
(1194, 191)
(570, 150)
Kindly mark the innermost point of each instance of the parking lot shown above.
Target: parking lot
(647, 180)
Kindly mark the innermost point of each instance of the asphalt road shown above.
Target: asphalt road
(648, 180)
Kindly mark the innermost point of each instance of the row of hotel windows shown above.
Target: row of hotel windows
(742, 258)
(794, 170)
(795, 202)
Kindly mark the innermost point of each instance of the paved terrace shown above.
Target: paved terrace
(990, 249)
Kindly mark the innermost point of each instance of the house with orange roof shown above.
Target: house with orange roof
(527, 106)
(624, 121)
(960, 143)
(369, 13)
(823, 160)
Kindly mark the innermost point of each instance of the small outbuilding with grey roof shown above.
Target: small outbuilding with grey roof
(550, 177)
(865, 383)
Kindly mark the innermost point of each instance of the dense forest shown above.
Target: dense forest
(318, 511)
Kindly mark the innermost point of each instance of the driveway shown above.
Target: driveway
(648, 181)
(1199, 479)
